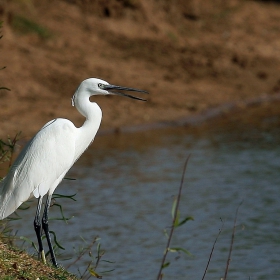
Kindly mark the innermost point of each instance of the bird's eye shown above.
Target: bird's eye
(101, 86)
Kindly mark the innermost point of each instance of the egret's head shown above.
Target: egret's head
(94, 86)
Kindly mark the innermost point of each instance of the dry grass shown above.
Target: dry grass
(17, 264)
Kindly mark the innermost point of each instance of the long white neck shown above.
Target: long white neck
(93, 114)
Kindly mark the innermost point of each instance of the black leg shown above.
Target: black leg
(38, 230)
(45, 225)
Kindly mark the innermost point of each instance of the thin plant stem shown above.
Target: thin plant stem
(13, 144)
(159, 276)
(212, 250)
(232, 241)
(82, 253)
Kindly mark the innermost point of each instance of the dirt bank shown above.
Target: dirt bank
(190, 57)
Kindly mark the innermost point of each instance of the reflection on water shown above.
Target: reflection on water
(125, 188)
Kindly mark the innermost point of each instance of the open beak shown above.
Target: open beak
(111, 89)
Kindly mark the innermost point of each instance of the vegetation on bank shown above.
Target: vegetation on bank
(17, 264)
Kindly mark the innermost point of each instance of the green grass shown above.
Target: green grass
(25, 26)
(16, 264)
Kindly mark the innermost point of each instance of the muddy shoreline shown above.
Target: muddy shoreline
(237, 111)
(195, 68)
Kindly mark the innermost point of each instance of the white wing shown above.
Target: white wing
(40, 166)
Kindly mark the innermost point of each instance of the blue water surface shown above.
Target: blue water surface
(126, 185)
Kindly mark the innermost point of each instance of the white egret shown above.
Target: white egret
(48, 156)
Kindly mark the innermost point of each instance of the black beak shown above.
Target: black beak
(112, 87)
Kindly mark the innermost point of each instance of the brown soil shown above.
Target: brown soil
(190, 56)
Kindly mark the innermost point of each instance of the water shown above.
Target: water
(125, 189)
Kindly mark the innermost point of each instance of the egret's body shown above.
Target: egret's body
(48, 156)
